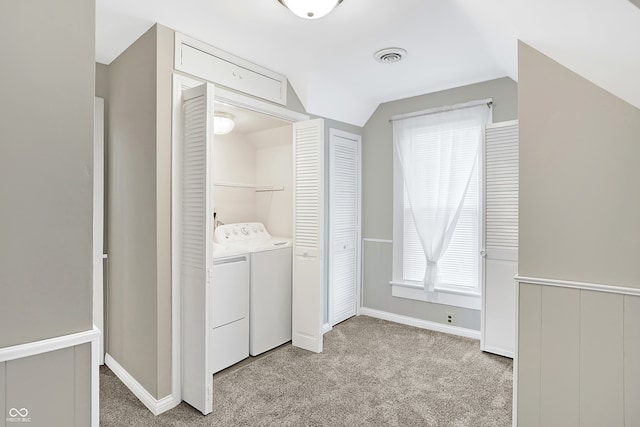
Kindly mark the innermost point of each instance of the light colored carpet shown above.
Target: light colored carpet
(371, 373)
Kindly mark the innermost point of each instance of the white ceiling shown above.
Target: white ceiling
(450, 43)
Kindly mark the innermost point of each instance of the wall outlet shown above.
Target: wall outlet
(450, 318)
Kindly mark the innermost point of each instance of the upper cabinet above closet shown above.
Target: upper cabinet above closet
(212, 64)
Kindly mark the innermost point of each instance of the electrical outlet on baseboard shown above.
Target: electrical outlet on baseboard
(450, 318)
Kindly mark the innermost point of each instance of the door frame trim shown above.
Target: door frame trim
(180, 83)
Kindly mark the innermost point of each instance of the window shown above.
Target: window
(437, 204)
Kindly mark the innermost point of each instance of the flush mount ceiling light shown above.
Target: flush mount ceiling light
(222, 123)
(390, 55)
(310, 9)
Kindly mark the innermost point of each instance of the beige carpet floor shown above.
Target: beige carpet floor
(371, 373)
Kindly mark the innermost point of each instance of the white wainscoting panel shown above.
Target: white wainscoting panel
(529, 331)
(578, 351)
(601, 359)
(631, 360)
(560, 357)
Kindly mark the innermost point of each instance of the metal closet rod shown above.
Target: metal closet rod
(258, 188)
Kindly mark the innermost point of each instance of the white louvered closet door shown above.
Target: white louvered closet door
(308, 218)
(501, 238)
(344, 224)
(196, 248)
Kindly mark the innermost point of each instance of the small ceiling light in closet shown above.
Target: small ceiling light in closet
(222, 123)
(310, 9)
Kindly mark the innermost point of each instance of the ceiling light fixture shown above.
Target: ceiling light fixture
(310, 9)
(222, 123)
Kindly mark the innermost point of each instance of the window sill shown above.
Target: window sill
(418, 293)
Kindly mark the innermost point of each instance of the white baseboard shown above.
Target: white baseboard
(419, 323)
(499, 351)
(326, 328)
(154, 405)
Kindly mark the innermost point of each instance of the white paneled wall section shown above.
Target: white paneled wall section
(581, 346)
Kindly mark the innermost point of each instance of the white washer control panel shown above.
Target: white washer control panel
(231, 233)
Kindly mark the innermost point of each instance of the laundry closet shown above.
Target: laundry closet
(253, 171)
(255, 224)
(252, 271)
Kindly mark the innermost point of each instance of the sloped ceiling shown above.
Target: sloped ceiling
(329, 61)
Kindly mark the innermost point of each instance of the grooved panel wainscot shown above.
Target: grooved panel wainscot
(578, 353)
(631, 359)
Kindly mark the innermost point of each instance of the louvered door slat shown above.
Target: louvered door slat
(501, 238)
(308, 263)
(343, 225)
(501, 187)
(197, 239)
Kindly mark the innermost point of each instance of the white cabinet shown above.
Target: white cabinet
(212, 64)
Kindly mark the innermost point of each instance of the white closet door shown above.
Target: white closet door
(308, 218)
(344, 224)
(501, 238)
(197, 241)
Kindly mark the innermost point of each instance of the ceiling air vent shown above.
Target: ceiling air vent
(390, 55)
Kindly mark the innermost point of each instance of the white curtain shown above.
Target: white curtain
(438, 153)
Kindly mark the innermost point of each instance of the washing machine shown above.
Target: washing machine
(270, 283)
(229, 306)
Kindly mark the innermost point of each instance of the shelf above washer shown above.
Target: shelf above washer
(258, 188)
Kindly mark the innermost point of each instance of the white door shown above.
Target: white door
(501, 238)
(98, 220)
(308, 236)
(196, 251)
(344, 225)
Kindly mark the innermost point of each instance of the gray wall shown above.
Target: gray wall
(578, 178)
(579, 210)
(377, 199)
(46, 161)
(131, 204)
(46, 165)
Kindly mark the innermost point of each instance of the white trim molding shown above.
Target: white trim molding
(48, 345)
(156, 406)
(439, 296)
(58, 343)
(598, 287)
(367, 239)
(423, 324)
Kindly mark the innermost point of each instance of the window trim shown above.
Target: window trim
(416, 290)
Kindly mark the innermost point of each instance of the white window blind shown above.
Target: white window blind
(438, 229)
(458, 267)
